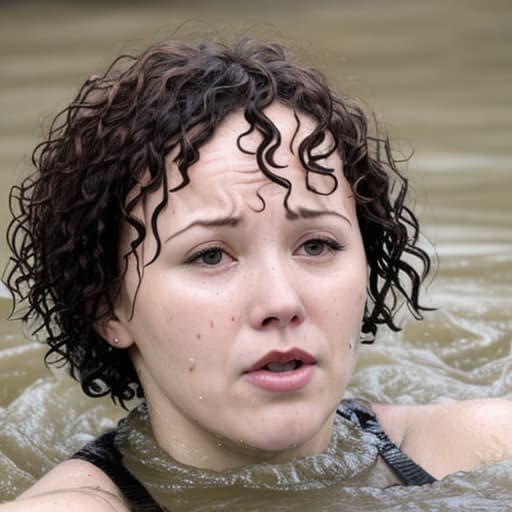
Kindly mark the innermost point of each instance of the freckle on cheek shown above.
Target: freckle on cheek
(211, 324)
(198, 336)
(232, 318)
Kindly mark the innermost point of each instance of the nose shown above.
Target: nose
(276, 302)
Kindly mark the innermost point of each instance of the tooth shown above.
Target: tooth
(281, 367)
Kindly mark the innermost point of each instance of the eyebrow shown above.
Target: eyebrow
(221, 221)
(233, 221)
(307, 213)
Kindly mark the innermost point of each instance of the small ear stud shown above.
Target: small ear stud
(116, 341)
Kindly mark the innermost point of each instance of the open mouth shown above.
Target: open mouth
(282, 372)
(283, 367)
(281, 362)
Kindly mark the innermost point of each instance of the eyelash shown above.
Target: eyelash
(194, 258)
(332, 245)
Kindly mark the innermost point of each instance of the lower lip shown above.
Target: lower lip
(281, 381)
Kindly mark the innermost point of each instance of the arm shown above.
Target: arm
(452, 436)
(68, 500)
(73, 486)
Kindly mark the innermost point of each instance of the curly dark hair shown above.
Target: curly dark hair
(65, 270)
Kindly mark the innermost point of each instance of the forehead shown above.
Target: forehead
(227, 175)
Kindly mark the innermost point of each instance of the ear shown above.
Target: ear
(114, 331)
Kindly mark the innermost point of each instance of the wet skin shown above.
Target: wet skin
(245, 329)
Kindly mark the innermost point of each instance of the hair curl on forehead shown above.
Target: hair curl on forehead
(106, 152)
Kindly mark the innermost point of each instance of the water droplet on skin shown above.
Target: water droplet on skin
(200, 397)
(294, 445)
(219, 443)
(191, 364)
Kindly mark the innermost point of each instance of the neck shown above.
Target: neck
(206, 450)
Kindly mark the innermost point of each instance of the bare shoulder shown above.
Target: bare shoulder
(451, 436)
(72, 486)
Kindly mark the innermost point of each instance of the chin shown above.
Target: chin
(285, 448)
(293, 433)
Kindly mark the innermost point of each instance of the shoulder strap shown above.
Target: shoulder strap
(402, 466)
(103, 453)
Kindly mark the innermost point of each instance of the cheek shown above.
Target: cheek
(163, 328)
(347, 298)
(341, 319)
(198, 333)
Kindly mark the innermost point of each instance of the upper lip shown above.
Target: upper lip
(276, 356)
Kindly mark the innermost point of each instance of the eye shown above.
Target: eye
(210, 257)
(314, 247)
(320, 246)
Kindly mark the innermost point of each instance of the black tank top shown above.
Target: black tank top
(103, 453)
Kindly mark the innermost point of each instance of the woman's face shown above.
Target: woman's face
(245, 328)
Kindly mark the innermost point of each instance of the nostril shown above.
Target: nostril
(268, 320)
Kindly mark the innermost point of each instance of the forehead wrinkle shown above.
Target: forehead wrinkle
(225, 181)
(241, 190)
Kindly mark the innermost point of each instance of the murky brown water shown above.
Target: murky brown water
(438, 73)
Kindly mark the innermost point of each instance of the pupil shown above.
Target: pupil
(212, 257)
(314, 248)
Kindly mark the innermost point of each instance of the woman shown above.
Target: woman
(212, 229)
